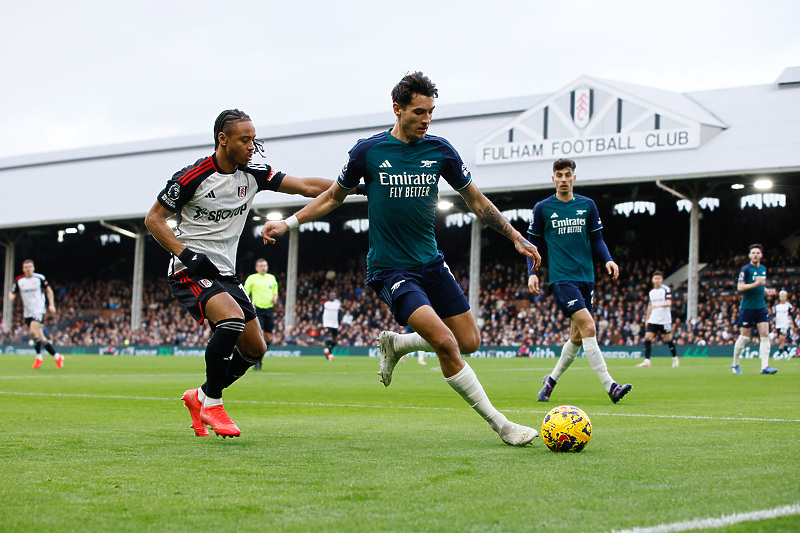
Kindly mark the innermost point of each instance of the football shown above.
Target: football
(566, 429)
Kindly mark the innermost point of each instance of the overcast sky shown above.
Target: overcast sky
(86, 73)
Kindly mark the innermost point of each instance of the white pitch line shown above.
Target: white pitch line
(363, 406)
(714, 523)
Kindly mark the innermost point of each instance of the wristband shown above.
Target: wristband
(292, 222)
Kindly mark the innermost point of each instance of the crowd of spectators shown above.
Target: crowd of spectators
(95, 312)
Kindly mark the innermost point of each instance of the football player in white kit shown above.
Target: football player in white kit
(783, 323)
(211, 200)
(331, 311)
(37, 298)
(658, 319)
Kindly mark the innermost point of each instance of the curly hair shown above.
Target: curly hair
(411, 84)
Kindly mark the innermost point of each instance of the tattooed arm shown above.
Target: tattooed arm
(486, 211)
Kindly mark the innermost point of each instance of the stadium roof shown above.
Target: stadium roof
(646, 134)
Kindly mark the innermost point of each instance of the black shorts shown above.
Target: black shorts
(266, 318)
(663, 329)
(34, 318)
(193, 292)
(405, 290)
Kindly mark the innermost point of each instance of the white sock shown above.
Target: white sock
(568, 354)
(420, 356)
(201, 395)
(466, 383)
(410, 342)
(738, 346)
(763, 351)
(211, 402)
(595, 357)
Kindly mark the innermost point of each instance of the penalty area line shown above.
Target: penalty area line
(718, 522)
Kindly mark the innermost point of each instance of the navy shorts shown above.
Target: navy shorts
(748, 318)
(266, 318)
(194, 291)
(573, 296)
(405, 290)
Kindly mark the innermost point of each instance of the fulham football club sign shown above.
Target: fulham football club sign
(596, 118)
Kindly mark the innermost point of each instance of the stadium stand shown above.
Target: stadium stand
(97, 312)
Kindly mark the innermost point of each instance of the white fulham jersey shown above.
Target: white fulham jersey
(330, 313)
(212, 207)
(34, 302)
(660, 315)
(782, 315)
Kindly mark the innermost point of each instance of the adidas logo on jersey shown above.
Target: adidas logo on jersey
(554, 215)
(210, 194)
(385, 164)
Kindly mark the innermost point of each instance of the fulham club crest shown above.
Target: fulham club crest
(582, 106)
(242, 191)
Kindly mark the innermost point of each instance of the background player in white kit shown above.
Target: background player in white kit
(783, 323)
(658, 319)
(331, 313)
(34, 288)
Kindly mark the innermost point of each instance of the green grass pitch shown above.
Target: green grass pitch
(104, 445)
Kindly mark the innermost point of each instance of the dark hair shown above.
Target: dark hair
(411, 84)
(658, 273)
(224, 122)
(25, 262)
(757, 246)
(561, 164)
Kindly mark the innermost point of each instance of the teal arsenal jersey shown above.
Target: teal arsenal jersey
(754, 298)
(564, 227)
(402, 186)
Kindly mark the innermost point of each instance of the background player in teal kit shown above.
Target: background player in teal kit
(569, 225)
(753, 309)
(401, 170)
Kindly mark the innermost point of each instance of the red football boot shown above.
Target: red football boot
(193, 404)
(220, 422)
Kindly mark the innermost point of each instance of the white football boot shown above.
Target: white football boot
(389, 358)
(517, 435)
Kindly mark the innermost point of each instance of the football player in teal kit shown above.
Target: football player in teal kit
(401, 170)
(569, 225)
(753, 309)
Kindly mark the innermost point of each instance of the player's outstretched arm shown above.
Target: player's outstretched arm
(308, 187)
(320, 206)
(488, 213)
